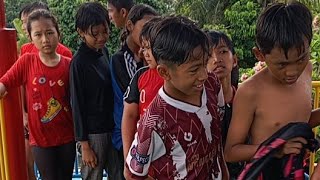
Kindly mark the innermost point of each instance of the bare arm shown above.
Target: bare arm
(315, 118)
(316, 173)
(89, 158)
(242, 118)
(130, 118)
(224, 168)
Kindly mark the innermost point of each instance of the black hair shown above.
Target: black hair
(41, 13)
(91, 14)
(29, 8)
(137, 13)
(284, 26)
(147, 32)
(176, 39)
(216, 37)
(119, 4)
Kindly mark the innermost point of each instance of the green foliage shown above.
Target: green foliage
(202, 11)
(22, 37)
(313, 5)
(162, 6)
(65, 10)
(315, 56)
(13, 7)
(239, 24)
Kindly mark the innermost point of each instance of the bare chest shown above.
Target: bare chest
(278, 107)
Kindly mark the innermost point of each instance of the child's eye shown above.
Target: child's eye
(223, 51)
(194, 70)
(282, 65)
(301, 60)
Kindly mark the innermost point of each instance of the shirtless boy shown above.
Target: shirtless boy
(280, 93)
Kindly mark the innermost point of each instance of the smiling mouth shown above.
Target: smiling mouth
(219, 68)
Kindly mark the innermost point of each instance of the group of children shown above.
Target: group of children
(167, 104)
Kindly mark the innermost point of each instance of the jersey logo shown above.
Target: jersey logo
(126, 94)
(143, 96)
(141, 159)
(187, 136)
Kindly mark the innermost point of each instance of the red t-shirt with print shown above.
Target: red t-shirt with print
(47, 90)
(31, 48)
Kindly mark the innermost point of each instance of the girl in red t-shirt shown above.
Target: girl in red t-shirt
(45, 77)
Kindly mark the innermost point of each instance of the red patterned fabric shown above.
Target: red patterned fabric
(176, 140)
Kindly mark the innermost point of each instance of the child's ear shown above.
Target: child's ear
(124, 12)
(258, 54)
(129, 25)
(163, 71)
(235, 60)
(80, 32)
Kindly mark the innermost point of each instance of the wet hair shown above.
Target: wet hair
(41, 13)
(119, 4)
(29, 8)
(216, 37)
(147, 32)
(137, 13)
(285, 26)
(176, 39)
(91, 14)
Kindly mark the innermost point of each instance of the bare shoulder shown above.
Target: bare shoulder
(249, 87)
(308, 69)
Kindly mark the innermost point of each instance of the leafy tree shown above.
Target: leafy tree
(240, 24)
(13, 7)
(65, 10)
(202, 11)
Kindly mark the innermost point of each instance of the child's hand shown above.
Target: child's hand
(126, 173)
(89, 158)
(293, 146)
(3, 94)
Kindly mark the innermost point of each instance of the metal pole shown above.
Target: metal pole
(11, 120)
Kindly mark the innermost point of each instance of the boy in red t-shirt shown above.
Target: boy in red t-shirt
(144, 86)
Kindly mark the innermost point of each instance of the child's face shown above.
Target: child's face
(118, 18)
(135, 29)
(286, 70)
(147, 53)
(96, 36)
(24, 18)
(222, 60)
(44, 35)
(186, 80)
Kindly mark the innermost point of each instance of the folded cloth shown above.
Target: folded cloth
(264, 166)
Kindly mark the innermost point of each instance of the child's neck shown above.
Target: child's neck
(133, 47)
(49, 60)
(178, 95)
(227, 88)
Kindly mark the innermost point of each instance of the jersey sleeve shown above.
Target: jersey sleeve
(147, 146)
(121, 75)
(77, 80)
(132, 94)
(17, 74)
